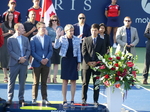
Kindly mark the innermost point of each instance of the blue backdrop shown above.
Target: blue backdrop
(68, 10)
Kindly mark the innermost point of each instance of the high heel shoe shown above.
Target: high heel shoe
(55, 80)
(48, 80)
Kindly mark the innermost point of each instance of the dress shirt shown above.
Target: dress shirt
(101, 36)
(128, 31)
(20, 44)
(81, 32)
(94, 40)
(42, 43)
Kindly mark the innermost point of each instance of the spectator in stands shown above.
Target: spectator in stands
(41, 51)
(103, 34)
(71, 58)
(54, 24)
(17, 14)
(82, 30)
(36, 8)
(147, 58)
(31, 30)
(127, 37)
(112, 13)
(8, 30)
(19, 52)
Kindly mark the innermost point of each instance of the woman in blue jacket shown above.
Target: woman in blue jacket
(71, 57)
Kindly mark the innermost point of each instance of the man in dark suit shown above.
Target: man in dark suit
(82, 30)
(19, 52)
(90, 46)
(147, 57)
(41, 51)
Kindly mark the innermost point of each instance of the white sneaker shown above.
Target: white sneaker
(114, 45)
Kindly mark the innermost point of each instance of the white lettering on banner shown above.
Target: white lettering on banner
(88, 5)
(142, 20)
(58, 5)
(73, 5)
(146, 5)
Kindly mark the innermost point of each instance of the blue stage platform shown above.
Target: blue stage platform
(39, 107)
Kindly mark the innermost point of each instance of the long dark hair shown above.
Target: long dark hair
(7, 21)
(102, 24)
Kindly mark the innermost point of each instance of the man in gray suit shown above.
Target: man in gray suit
(19, 51)
(127, 37)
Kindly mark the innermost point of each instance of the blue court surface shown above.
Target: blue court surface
(137, 100)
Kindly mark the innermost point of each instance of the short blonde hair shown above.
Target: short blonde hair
(17, 25)
(68, 27)
(38, 25)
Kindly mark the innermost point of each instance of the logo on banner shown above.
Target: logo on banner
(146, 5)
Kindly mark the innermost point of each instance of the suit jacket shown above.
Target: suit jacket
(37, 51)
(107, 42)
(147, 35)
(86, 30)
(15, 52)
(121, 38)
(63, 44)
(88, 50)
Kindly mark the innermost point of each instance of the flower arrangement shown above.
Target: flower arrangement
(116, 70)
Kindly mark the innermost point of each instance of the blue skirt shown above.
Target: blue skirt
(69, 68)
(113, 21)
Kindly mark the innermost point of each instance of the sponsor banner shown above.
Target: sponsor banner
(68, 10)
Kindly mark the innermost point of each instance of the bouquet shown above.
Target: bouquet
(116, 70)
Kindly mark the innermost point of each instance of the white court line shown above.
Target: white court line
(122, 104)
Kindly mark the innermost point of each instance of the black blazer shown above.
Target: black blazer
(107, 42)
(86, 30)
(88, 50)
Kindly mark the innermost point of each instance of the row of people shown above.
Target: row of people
(41, 50)
(82, 29)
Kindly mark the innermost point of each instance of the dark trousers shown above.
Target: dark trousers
(146, 66)
(86, 78)
(37, 72)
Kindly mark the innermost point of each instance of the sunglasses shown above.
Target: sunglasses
(127, 20)
(54, 20)
(81, 17)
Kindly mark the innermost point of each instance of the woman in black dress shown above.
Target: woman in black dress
(71, 57)
(8, 30)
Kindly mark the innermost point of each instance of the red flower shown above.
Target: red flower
(113, 68)
(98, 62)
(106, 76)
(97, 77)
(134, 73)
(110, 58)
(117, 78)
(106, 83)
(117, 85)
(102, 67)
(118, 73)
(118, 58)
(130, 64)
(116, 65)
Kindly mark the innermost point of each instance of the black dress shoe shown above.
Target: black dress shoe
(83, 103)
(22, 102)
(9, 102)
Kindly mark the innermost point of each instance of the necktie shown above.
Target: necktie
(94, 41)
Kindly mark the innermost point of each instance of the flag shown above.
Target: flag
(47, 11)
